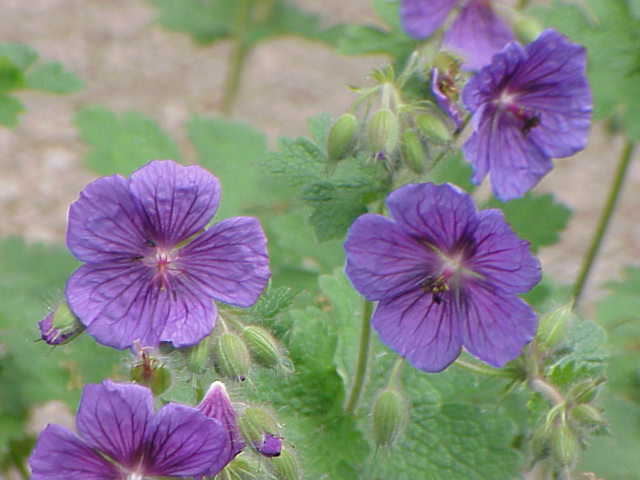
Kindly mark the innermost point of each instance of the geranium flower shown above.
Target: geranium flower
(152, 268)
(445, 276)
(476, 34)
(530, 104)
(121, 438)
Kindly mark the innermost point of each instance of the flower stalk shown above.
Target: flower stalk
(239, 54)
(363, 359)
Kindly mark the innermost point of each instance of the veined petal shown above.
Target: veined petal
(105, 223)
(477, 34)
(501, 257)
(425, 332)
(61, 455)
(192, 315)
(420, 18)
(183, 442)
(228, 262)
(113, 418)
(500, 146)
(384, 261)
(441, 215)
(177, 201)
(497, 325)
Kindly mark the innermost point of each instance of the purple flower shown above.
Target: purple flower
(476, 34)
(445, 276)
(446, 92)
(121, 438)
(529, 105)
(152, 267)
(216, 404)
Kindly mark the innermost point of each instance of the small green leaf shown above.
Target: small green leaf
(11, 76)
(122, 143)
(453, 169)
(366, 40)
(537, 218)
(22, 56)
(52, 77)
(205, 20)
(10, 108)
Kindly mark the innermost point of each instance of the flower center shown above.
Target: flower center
(451, 272)
(528, 120)
(162, 261)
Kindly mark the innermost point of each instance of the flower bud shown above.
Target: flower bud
(389, 417)
(242, 468)
(434, 128)
(233, 356)
(540, 441)
(262, 345)
(198, 356)
(585, 391)
(588, 415)
(259, 429)
(285, 466)
(564, 444)
(413, 152)
(60, 326)
(152, 373)
(553, 325)
(383, 131)
(217, 404)
(341, 137)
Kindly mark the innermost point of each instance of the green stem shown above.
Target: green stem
(482, 370)
(363, 359)
(447, 150)
(238, 57)
(395, 372)
(603, 223)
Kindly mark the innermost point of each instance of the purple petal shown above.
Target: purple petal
(424, 331)
(501, 257)
(61, 455)
(217, 405)
(178, 201)
(383, 261)
(477, 34)
(228, 262)
(447, 104)
(271, 446)
(420, 18)
(105, 224)
(113, 418)
(554, 85)
(182, 442)
(441, 215)
(501, 147)
(497, 325)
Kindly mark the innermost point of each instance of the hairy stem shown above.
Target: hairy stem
(238, 58)
(603, 222)
(363, 359)
(547, 390)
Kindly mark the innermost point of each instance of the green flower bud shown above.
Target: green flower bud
(233, 356)
(255, 423)
(527, 28)
(413, 152)
(585, 391)
(553, 326)
(198, 356)
(262, 345)
(285, 466)
(588, 415)
(389, 417)
(383, 131)
(564, 444)
(540, 441)
(60, 326)
(435, 129)
(152, 373)
(241, 468)
(341, 137)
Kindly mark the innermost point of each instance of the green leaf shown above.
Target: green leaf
(232, 152)
(369, 40)
(537, 218)
(205, 20)
(52, 77)
(453, 169)
(22, 56)
(10, 108)
(122, 143)
(389, 11)
(11, 76)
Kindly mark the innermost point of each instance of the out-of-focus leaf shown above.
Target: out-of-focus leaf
(22, 56)
(10, 108)
(11, 76)
(52, 77)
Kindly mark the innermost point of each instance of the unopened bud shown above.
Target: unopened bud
(588, 415)
(413, 152)
(242, 468)
(553, 326)
(585, 391)
(341, 137)
(260, 429)
(151, 372)
(60, 326)
(285, 467)
(262, 345)
(233, 356)
(527, 29)
(198, 356)
(434, 129)
(389, 417)
(541, 440)
(564, 444)
(383, 131)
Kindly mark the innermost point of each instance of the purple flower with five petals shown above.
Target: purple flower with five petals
(152, 268)
(529, 105)
(476, 34)
(121, 438)
(445, 276)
